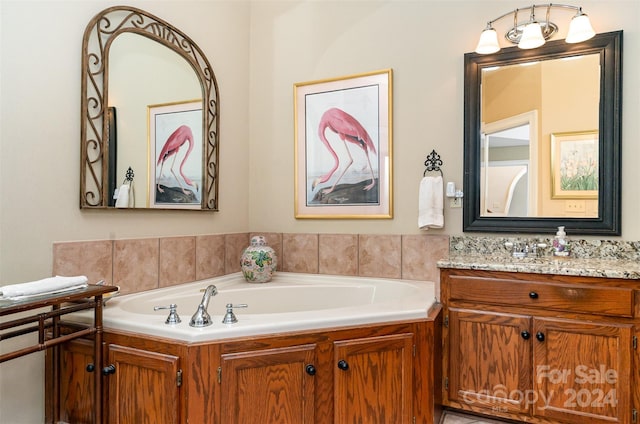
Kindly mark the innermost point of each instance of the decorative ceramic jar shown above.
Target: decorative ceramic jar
(258, 261)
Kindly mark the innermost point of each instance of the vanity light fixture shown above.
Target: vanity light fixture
(533, 33)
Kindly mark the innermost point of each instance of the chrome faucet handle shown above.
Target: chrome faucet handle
(230, 317)
(173, 317)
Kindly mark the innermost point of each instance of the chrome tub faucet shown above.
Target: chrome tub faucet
(202, 318)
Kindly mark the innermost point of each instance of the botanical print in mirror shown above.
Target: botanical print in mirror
(343, 147)
(175, 155)
(574, 164)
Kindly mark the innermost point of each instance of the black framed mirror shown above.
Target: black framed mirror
(555, 128)
(166, 96)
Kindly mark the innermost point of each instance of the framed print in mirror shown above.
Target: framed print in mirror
(175, 155)
(343, 147)
(574, 165)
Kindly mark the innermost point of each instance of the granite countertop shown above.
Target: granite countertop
(609, 268)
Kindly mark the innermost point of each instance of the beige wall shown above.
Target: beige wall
(258, 50)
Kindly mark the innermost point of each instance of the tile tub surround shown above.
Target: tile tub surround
(592, 258)
(148, 263)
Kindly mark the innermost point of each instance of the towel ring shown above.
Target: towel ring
(433, 163)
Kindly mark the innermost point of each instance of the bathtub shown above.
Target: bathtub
(290, 302)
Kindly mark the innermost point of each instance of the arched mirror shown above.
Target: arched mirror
(150, 116)
(542, 138)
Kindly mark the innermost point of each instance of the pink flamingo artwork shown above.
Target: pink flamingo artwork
(176, 140)
(348, 129)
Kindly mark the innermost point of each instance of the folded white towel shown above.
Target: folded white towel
(430, 203)
(45, 286)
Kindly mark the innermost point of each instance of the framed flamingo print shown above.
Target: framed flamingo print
(175, 155)
(343, 147)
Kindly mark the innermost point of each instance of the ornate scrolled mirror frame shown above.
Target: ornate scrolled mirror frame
(609, 47)
(98, 37)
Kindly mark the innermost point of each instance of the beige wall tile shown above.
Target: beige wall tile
(379, 256)
(420, 254)
(177, 260)
(274, 240)
(338, 254)
(135, 264)
(209, 256)
(300, 253)
(91, 258)
(234, 245)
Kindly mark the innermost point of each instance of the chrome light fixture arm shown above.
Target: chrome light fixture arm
(532, 33)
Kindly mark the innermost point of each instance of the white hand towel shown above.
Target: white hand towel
(430, 203)
(45, 286)
(123, 197)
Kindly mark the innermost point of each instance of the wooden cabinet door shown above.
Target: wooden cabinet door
(582, 371)
(76, 383)
(489, 360)
(143, 387)
(269, 386)
(373, 380)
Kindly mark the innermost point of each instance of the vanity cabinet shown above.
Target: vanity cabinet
(369, 373)
(540, 348)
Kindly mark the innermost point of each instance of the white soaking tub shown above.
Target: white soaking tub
(289, 302)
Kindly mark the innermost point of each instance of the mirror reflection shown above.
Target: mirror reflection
(521, 105)
(132, 60)
(149, 124)
(542, 140)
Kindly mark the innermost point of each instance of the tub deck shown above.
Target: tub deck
(290, 302)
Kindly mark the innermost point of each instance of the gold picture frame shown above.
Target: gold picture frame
(574, 165)
(343, 147)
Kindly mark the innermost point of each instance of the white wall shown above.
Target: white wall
(423, 42)
(258, 50)
(40, 149)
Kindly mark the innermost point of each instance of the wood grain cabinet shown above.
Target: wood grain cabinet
(365, 379)
(377, 373)
(373, 380)
(269, 386)
(540, 348)
(140, 385)
(143, 386)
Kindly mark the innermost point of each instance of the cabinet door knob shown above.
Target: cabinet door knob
(533, 295)
(109, 369)
(525, 335)
(540, 336)
(343, 365)
(90, 367)
(310, 369)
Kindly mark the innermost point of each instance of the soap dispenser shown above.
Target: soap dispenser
(560, 243)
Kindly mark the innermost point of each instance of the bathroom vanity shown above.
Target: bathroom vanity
(542, 341)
